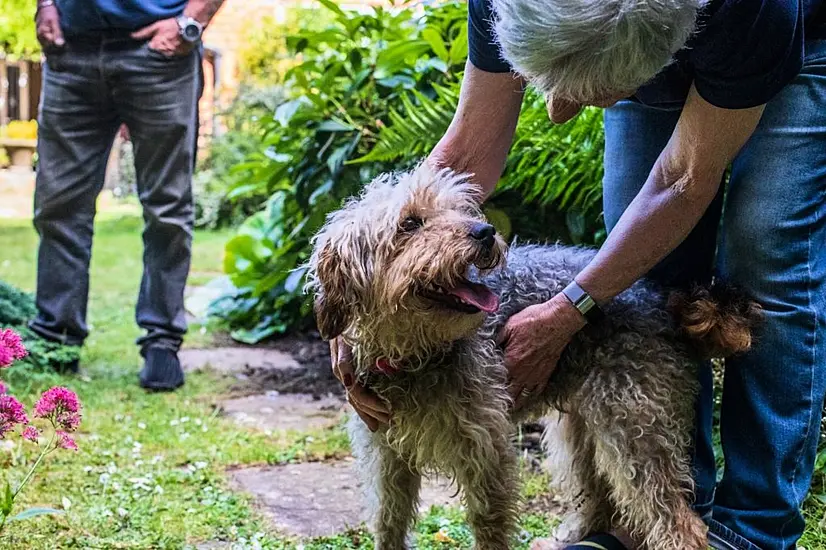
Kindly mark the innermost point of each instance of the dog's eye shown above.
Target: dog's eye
(411, 223)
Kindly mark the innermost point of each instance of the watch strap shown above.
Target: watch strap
(583, 302)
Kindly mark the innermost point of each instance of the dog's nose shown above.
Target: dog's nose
(484, 233)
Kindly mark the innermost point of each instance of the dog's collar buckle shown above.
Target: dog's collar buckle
(384, 366)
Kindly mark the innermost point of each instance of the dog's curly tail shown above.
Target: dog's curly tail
(718, 320)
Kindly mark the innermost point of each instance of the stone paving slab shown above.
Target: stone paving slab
(314, 499)
(232, 360)
(291, 411)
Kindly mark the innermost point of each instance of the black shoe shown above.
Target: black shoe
(161, 371)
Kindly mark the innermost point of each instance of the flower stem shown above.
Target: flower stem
(43, 453)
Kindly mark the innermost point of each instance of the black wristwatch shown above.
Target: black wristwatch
(583, 302)
(190, 29)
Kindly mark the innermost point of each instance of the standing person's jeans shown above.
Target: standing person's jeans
(773, 246)
(90, 87)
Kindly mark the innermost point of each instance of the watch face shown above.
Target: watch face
(191, 32)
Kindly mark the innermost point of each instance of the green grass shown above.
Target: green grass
(150, 469)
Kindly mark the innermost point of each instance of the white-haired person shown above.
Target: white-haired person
(690, 89)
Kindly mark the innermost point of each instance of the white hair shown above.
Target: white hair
(583, 50)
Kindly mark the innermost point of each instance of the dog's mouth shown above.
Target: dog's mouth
(466, 297)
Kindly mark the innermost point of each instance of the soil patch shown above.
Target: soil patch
(235, 360)
(311, 374)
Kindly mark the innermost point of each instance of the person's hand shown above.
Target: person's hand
(368, 406)
(165, 38)
(47, 23)
(534, 340)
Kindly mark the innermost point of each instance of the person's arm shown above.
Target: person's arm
(476, 142)
(164, 35)
(682, 184)
(478, 138)
(202, 10)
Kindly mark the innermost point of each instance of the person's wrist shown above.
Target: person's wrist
(563, 312)
(44, 4)
(583, 302)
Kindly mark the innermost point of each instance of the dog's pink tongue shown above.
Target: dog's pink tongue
(477, 295)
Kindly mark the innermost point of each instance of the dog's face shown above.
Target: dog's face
(394, 263)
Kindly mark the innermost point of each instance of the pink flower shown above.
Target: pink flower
(11, 414)
(65, 441)
(31, 433)
(3, 388)
(11, 347)
(61, 406)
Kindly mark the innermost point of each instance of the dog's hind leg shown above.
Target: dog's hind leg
(642, 452)
(392, 488)
(569, 450)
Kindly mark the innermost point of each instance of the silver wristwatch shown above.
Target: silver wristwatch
(583, 302)
(190, 29)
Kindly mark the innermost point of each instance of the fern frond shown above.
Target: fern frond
(413, 130)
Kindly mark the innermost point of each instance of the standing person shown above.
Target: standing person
(690, 88)
(109, 63)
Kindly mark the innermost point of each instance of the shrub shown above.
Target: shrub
(16, 309)
(348, 77)
(215, 205)
(373, 92)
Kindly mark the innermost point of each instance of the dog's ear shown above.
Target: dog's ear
(331, 307)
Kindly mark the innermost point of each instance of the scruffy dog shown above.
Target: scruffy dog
(391, 272)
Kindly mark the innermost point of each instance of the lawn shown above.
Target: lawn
(150, 469)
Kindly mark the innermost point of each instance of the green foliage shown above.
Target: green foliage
(549, 165)
(16, 308)
(350, 75)
(17, 30)
(264, 56)
(214, 206)
(374, 92)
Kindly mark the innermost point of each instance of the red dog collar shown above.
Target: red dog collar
(384, 366)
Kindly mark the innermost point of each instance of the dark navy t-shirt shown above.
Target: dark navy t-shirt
(743, 53)
(85, 16)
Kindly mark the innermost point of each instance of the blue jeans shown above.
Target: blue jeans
(772, 243)
(90, 87)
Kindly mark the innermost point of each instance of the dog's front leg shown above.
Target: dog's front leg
(393, 489)
(488, 474)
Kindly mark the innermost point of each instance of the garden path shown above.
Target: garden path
(307, 499)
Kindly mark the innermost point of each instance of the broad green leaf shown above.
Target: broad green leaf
(8, 500)
(254, 335)
(394, 56)
(398, 81)
(285, 112)
(333, 7)
(34, 512)
(291, 284)
(334, 125)
(436, 42)
(458, 47)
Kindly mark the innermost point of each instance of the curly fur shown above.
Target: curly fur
(620, 403)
